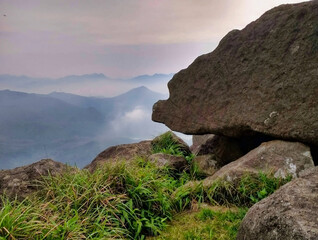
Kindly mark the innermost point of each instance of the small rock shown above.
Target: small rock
(175, 162)
(206, 164)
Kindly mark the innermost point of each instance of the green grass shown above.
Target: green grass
(113, 202)
(127, 201)
(209, 223)
(244, 192)
(16, 218)
(165, 143)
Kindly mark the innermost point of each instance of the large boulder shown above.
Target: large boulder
(21, 181)
(262, 79)
(291, 213)
(124, 152)
(278, 157)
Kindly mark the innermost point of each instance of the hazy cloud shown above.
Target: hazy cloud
(119, 38)
(136, 115)
(134, 124)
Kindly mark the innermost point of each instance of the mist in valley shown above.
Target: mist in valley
(70, 128)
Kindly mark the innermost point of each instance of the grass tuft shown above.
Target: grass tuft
(165, 143)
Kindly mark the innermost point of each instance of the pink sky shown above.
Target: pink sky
(120, 38)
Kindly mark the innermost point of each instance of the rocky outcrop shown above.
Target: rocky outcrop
(262, 79)
(278, 157)
(222, 149)
(22, 181)
(174, 162)
(128, 152)
(291, 213)
(124, 152)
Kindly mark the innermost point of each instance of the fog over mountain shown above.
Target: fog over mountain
(71, 128)
(96, 84)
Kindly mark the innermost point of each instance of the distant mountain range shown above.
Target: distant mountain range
(96, 84)
(68, 127)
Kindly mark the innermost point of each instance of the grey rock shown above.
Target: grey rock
(175, 162)
(291, 213)
(124, 152)
(278, 157)
(21, 181)
(206, 164)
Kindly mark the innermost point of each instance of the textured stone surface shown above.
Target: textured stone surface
(198, 140)
(22, 181)
(176, 162)
(263, 78)
(206, 164)
(223, 149)
(291, 213)
(124, 152)
(279, 157)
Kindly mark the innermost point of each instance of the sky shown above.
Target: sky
(120, 38)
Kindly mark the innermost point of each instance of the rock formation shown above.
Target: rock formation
(22, 181)
(262, 79)
(124, 152)
(278, 157)
(291, 213)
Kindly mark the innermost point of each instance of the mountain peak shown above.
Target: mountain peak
(154, 76)
(140, 89)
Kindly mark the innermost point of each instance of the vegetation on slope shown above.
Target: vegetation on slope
(127, 201)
